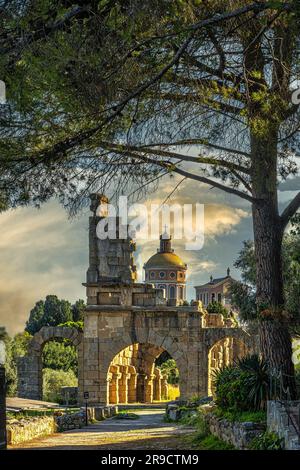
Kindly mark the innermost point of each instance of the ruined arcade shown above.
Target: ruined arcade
(128, 325)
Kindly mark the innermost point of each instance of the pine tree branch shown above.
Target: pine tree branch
(290, 211)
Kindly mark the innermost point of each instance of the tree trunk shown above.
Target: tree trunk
(275, 337)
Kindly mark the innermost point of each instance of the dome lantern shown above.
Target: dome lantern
(166, 270)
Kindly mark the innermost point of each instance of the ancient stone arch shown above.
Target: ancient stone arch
(180, 331)
(30, 380)
(122, 313)
(132, 376)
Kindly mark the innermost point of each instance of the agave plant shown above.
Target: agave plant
(256, 379)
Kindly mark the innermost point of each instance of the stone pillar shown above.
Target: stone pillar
(114, 385)
(149, 388)
(92, 274)
(132, 385)
(80, 373)
(164, 387)
(123, 385)
(30, 379)
(157, 385)
(140, 388)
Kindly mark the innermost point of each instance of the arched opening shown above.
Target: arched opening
(223, 353)
(59, 362)
(66, 343)
(142, 373)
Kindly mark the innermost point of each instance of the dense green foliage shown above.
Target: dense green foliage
(57, 355)
(53, 312)
(60, 355)
(15, 347)
(202, 439)
(241, 416)
(243, 294)
(169, 367)
(217, 307)
(244, 386)
(81, 77)
(78, 310)
(267, 441)
(73, 324)
(53, 380)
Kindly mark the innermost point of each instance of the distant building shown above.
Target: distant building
(167, 271)
(215, 290)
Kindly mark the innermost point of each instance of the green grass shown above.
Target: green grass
(201, 439)
(211, 442)
(242, 416)
(33, 413)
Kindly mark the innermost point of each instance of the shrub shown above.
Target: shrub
(244, 386)
(217, 307)
(73, 324)
(212, 442)
(169, 367)
(53, 380)
(257, 380)
(196, 420)
(242, 416)
(60, 355)
(266, 441)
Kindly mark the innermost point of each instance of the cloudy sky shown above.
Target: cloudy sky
(44, 252)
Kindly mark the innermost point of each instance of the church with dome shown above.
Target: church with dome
(167, 271)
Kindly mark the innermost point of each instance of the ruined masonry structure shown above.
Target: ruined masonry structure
(127, 326)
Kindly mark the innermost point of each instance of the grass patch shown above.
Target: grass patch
(36, 413)
(202, 439)
(125, 415)
(242, 416)
(211, 442)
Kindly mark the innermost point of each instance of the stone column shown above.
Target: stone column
(149, 388)
(132, 385)
(164, 387)
(123, 385)
(93, 270)
(157, 385)
(140, 388)
(114, 385)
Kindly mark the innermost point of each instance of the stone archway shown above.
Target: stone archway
(223, 353)
(30, 380)
(180, 332)
(229, 344)
(133, 377)
(143, 375)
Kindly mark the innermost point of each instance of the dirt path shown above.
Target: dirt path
(147, 432)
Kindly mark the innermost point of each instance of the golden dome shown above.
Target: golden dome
(164, 260)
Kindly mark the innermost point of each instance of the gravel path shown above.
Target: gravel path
(148, 432)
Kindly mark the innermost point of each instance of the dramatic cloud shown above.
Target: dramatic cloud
(43, 252)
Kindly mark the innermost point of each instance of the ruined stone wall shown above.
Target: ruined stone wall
(178, 331)
(30, 378)
(240, 435)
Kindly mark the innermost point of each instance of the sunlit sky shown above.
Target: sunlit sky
(44, 252)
